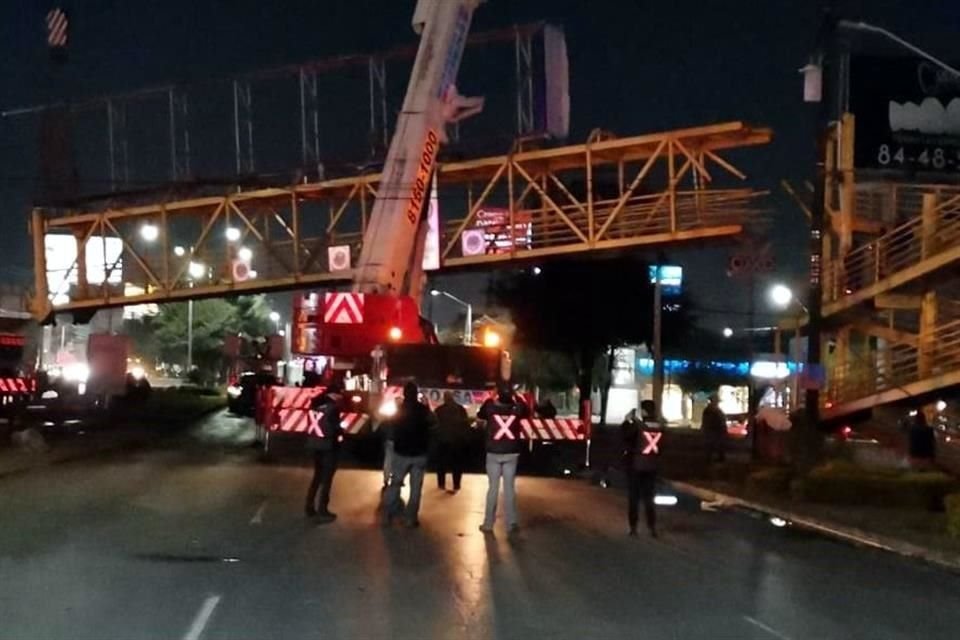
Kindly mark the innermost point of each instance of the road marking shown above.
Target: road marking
(258, 516)
(770, 630)
(202, 618)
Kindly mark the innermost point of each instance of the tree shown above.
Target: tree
(586, 308)
(164, 336)
(548, 370)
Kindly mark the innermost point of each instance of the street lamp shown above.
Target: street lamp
(179, 251)
(245, 254)
(275, 318)
(781, 295)
(149, 232)
(197, 270)
(233, 234)
(727, 332)
(468, 328)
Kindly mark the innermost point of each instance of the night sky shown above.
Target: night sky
(636, 66)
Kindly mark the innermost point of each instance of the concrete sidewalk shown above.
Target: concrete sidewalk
(826, 527)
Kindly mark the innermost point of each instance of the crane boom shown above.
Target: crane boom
(393, 244)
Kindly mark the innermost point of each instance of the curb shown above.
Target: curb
(843, 533)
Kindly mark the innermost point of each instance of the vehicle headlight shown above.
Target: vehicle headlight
(78, 372)
(388, 409)
(234, 391)
(138, 373)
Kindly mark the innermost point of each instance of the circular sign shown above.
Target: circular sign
(340, 260)
(473, 243)
(241, 271)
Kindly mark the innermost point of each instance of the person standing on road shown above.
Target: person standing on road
(503, 453)
(325, 444)
(922, 441)
(714, 427)
(641, 448)
(453, 435)
(386, 430)
(411, 444)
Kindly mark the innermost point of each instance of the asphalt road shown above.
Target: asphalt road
(199, 540)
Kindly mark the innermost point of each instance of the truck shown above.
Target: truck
(373, 337)
(18, 384)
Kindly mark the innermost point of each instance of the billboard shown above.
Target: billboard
(103, 256)
(497, 236)
(671, 278)
(907, 115)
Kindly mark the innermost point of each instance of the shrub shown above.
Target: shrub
(841, 482)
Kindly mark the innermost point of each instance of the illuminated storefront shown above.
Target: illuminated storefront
(682, 408)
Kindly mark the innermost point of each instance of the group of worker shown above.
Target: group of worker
(411, 435)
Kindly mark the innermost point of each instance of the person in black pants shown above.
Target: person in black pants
(641, 448)
(453, 438)
(324, 441)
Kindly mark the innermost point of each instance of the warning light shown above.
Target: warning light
(395, 333)
(491, 339)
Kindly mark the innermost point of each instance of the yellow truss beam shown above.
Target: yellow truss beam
(533, 202)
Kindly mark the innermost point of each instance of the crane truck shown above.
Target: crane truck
(373, 337)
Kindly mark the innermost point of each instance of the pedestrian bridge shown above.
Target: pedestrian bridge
(892, 305)
(606, 194)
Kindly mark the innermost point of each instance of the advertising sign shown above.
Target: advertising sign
(671, 278)
(907, 114)
(495, 224)
(103, 256)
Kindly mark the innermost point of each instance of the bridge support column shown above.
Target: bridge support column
(925, 344)
(928, 225)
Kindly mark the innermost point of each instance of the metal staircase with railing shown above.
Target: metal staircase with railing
(891, 304)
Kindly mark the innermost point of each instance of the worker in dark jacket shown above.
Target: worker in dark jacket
(641, 448)
(324, 439)
(411, 444)
(453, 438)
(713, 424)
(504, 445)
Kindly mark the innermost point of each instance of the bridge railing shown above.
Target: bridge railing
(929, 232)
(895, 366)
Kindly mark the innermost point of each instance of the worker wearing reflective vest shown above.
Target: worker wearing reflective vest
(326, 432)
(641, 449)
(504, 445)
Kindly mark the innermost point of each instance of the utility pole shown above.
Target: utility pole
(658, 338)
(823, 57)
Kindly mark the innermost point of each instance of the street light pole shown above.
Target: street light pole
(657, 339)
(468, 328)
(189, 336)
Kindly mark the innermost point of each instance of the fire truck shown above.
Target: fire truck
(372, 337)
